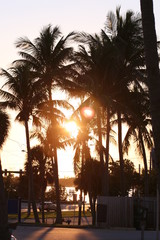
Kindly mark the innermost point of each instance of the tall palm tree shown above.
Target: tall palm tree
(126, 35)
(139, 124)
(152, 64)
(49, 56)
(109, 64)
(82, 151)
(23, 96)
(4, 231)
(95, 61)
(153, 75)
(55, 137)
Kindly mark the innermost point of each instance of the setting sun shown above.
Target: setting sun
(72, 128)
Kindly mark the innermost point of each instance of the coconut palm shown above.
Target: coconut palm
(139, 124)
(82, 116)
(126, 35)
(55, 137)
(82, 151)
(4, 231)
(108, 66)
(49, 56)
(23, 96)
(95, 60)
(152, 64)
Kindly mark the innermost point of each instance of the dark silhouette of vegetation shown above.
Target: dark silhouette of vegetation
(4, 230)
(131, 176)
(23, 96)
(48, 56)
(153, 75)
(107, 71)
(90, 182)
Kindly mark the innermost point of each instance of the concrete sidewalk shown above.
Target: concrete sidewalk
(52, 233)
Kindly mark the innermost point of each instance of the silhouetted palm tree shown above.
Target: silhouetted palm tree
(126, 35)
(49, 56)
(23, 96)
(95, 59)
(4, 230)
(152, 64)
(55, 138)
(43, 167)
(139, 125)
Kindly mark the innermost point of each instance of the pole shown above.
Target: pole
(80, 200)
(19, 210)
(157, 214)
(80, 208)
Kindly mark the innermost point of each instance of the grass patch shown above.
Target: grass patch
(50, 215)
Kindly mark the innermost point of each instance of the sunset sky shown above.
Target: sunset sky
(20, 18)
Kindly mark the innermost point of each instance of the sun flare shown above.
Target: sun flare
(87, 112)
(72, 128)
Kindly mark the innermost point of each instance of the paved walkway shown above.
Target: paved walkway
(51, 233)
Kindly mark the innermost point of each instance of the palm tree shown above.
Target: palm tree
(108, 65)
(42, 165)
(82, 151)
(4, 230)
(55, 137)
(23, 95)
(95, 60)
(153, 75)
(49, 56)
(126, 35)
(139, 123)
(152, 64)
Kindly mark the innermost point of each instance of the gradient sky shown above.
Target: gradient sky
(20, 18)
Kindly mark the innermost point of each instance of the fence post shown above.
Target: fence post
(19, 210)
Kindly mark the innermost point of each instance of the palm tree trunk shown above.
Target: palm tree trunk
(152, 63)
(120, 152)
(107, 150)
(146, 182)
(4, 231)
(43, 193)
(102, 169)
(57, 187)
(92, 201)
(59, 213)
(31, 187)
(82, 167)
(94, 212)
(42, 200)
